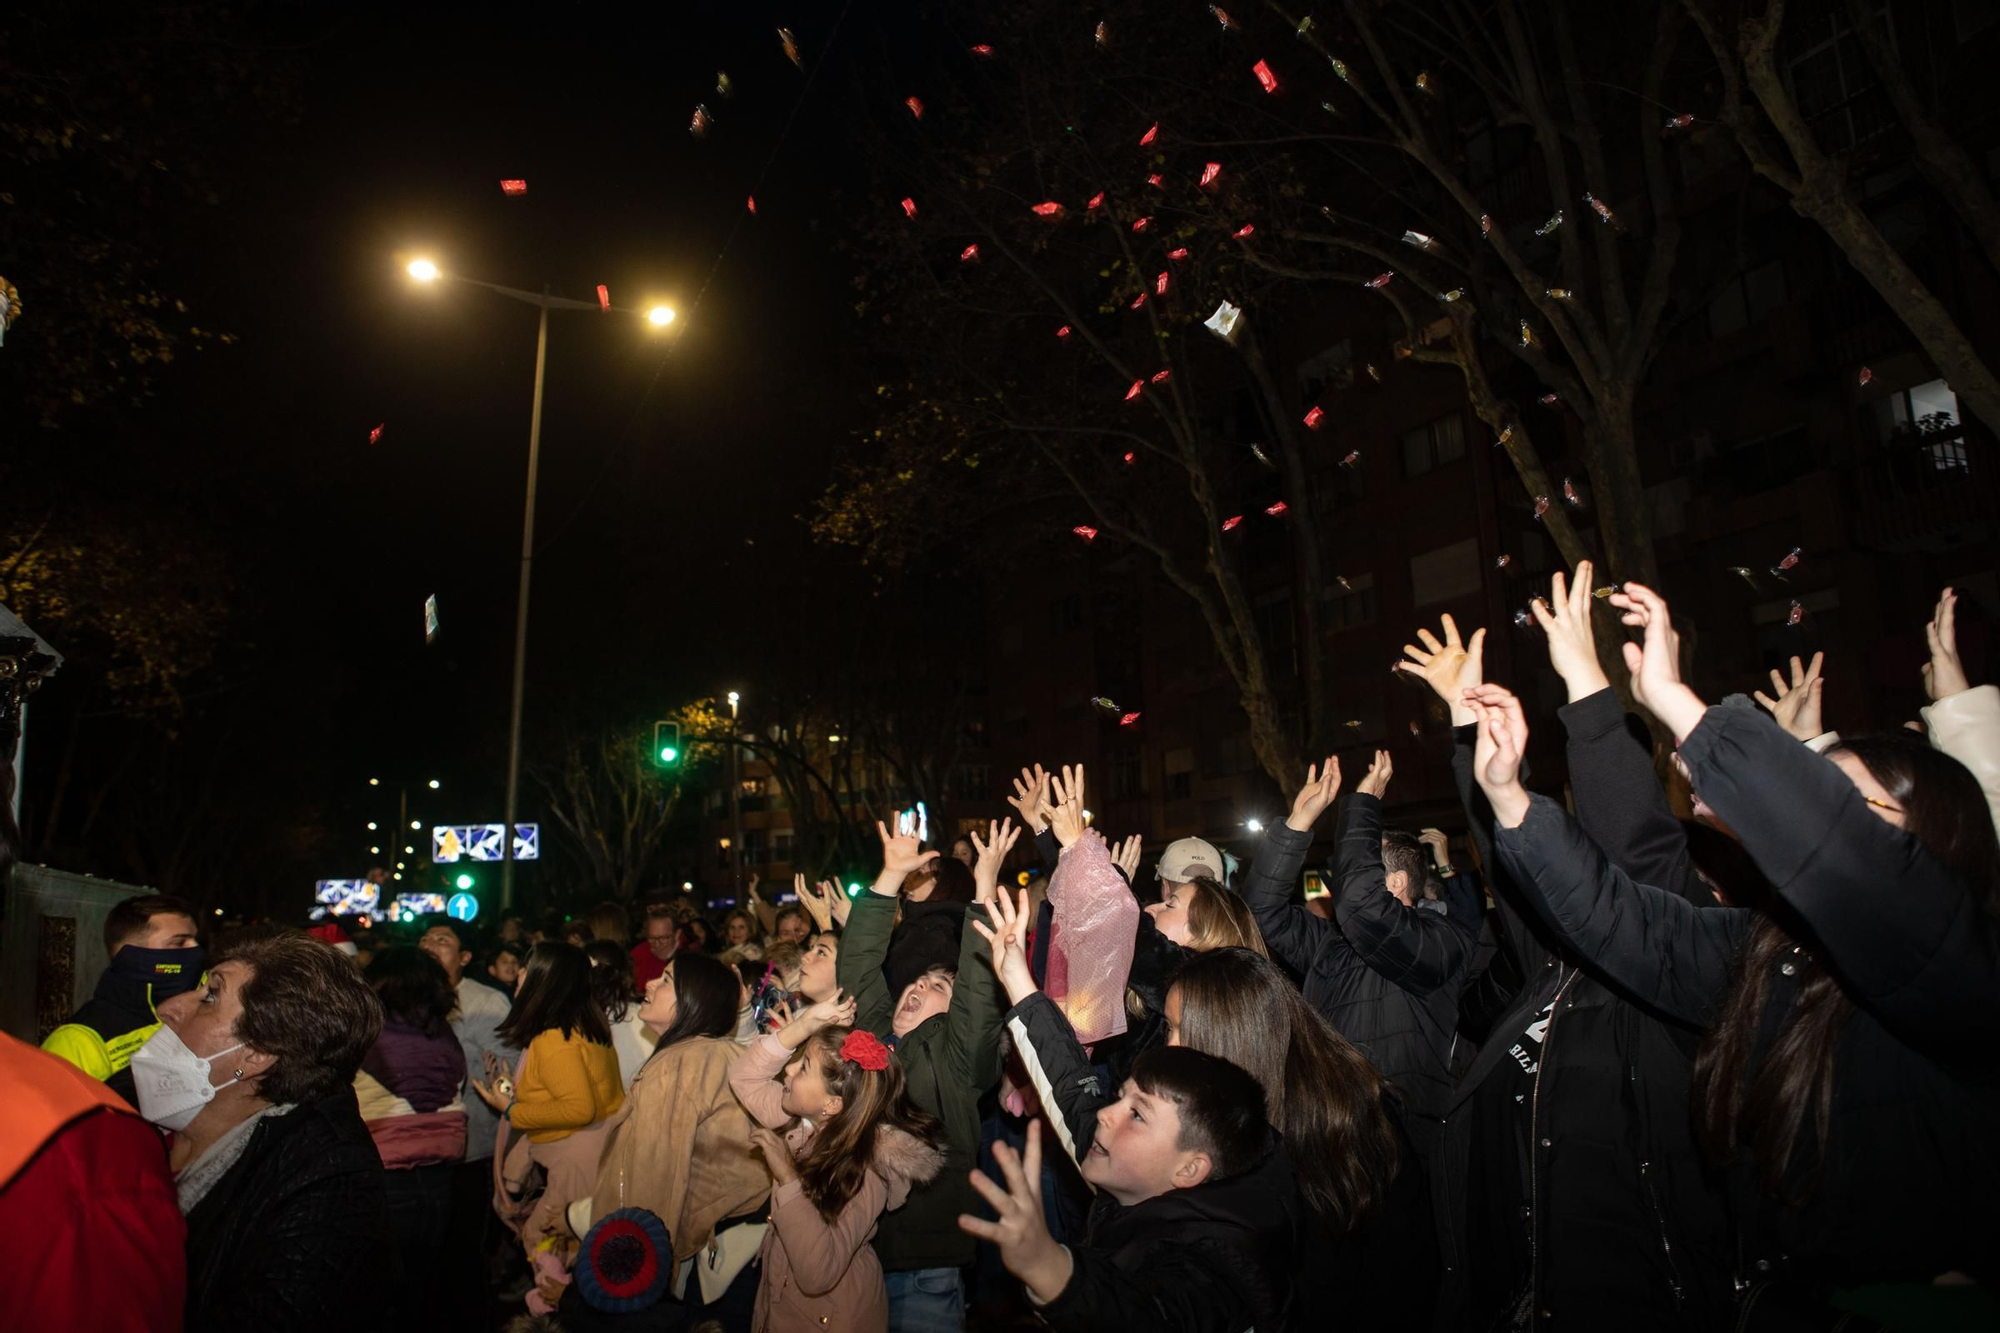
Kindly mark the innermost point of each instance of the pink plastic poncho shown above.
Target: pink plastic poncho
(1090, 950)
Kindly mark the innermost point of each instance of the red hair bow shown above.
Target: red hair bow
(865, 1049)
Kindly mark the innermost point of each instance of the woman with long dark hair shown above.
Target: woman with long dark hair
(1848, 1085)
(611, 988)
(683, 1150)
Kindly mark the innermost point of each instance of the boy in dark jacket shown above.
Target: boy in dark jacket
(1196, 1223)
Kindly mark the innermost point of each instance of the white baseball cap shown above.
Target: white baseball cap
(1186, 858)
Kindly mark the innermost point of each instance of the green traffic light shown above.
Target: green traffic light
(668, 754)
(465, 882)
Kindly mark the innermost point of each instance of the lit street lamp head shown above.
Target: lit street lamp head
(423, 270)
(661, 315)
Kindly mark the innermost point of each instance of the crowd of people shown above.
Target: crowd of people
(1590, 1065)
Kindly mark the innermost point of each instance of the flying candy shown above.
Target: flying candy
(909, 208)
(1380, 280)
(1569, 493)
(1503, 562)
(1373, 373)
(1743, 572)
(1222, 17)
(1339, 67)
(1101, 702)
(1424, 82)
(604, 296)
(1277, 510)
(1314, 417)
(1142, 223)
(1130, 457)
(1351, 459)
(1682, 121)
(1353, 722)
(1601, 593)
(1208, 174)
(982, 50)
(1243, 231)
(1257, 451)
(1485, 224)
(1506, 434)
(1150, 135)
(1598, 204)
(1103, 35)
(791, 45)
(1160, 285)
(1551, 224)
(1085, 531)
(1138, 387)
(1452, 295)
(1048, 209)
(1559, 293)
(1866, 374)
(1522, 620)
(1157, 181)
(375, 436)
(1063, 332)
(1797, 613)
(1265, 76)
(1231, 523)
(513, 187)
(1419, 239)
(698, 127)
(1548, 400)
(723, 86)
(1415, 730)
(1178, 255)
(916, 105)
(1162, 376)
(752, 200)
(1329, 108)
(1130, 719)
(1340, 581)
(1788, 562)
(1137, 301)
(1096, 202)
(1527, 335)
(1223, 322)
(970, 254)
(1541, 505)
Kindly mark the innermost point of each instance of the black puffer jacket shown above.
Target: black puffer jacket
(1902, 1185)
(1218, 1258)
(272, 1245)
(1387, 976)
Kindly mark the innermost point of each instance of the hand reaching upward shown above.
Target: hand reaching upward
(1450, 668)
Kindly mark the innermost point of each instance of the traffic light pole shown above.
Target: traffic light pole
(521, 617)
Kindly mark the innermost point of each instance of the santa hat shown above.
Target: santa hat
(329, 932)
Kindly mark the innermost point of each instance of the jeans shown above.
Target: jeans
(926, 1300)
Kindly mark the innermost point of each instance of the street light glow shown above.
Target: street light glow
(371, 826)
(734, 698)
(423, 270)
(415, 824)
(434, 787)
(661, 315)
(374, 782)
(1254, 825)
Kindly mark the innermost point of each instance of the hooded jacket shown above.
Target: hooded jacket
(1221, 1256)
(271, 1244)
(820, 1274)
(949, 1061)
(121, 1013)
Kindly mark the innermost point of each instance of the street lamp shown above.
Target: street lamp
(427, 271)
(735, 798)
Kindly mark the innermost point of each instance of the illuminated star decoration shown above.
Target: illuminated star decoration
(1314, 417)
(916, 105)
(604, 297)
(1265, 76)
(513, 187)
(791, 46)
(375, 436)
(970, 254)
(1085, 531)
(909, 208)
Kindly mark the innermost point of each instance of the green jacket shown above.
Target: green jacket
(949, 1062)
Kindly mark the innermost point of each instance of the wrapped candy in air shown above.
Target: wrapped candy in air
(1541, 505)
(1569, 493)
(791, 47)
(1140, 224)
(1373, 373)
(1506, 433)
(1085, 531)
(375, 436)
(1790, 561)
(603, 297)
(1224, 321)
(1558, 293)
(1551, 224)
(724, 87)
(1415, 730)
(1222, 17)
(970, 254)
(1743, 572)
(1866, 375)
(1178, 254)
(1485, 224)
(1047, 209)
(1137, 301)
(1265, 76)
(1422, 240)
(1138, 387)
(1129, 720)
(1209, 172)
(1380, 280)
(909, 208)
(1682, 121)
(1341, 582)
(1106, 704)
(751, 200)
(1503, 562)
(513, 187)
(1424, 84)
(1597, 204)
(916, 105)
(1607, 590)
(1130, 457)
(1796, 614)
(983, 50)
(1456, 293)
(1157, 181)
(1231, 523)
(1103, 35)
(699, 126)
(1244, 230)
(1314, 417)
(1160, 285)
(1277, 510)
(1527, 335)
(1162, 376)
(1305, 26)
(1353, 457)
(1063, 332)
(1152, 133)
(1352, 724)
(1522, 620)
(1547, 400)
(1339, 67)
(1257, 452)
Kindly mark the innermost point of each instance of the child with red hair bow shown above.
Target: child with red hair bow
(844, 1144)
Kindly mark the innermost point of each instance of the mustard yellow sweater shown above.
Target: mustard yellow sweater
(571, 1083)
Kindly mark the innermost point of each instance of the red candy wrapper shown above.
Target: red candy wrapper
(1150, 135)
(1265, 76)
(1047, 209)
(1209, 172)
(375, 436)
(1138, 387)
(513, 187)
(909, 208)
(1278, 510)
(604, 296)
(1160, 285)
(1096, 201)
(1244, 230)
(1231, 523)
(1314, 417)
(1141, 224)
(916, 105)
(1178, 255)
(969, 255)
(1162, 376)
(1085, 531)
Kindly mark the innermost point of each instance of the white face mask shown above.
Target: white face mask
(172, 1080)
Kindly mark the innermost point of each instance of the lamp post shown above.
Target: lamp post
(423, 270)
(735, 801)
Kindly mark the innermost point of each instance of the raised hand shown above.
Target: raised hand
(1565, 618)
(1026, 1247)
(1797, 706)
(1496, 757)
(1439, 844)
(1009, 937)
(1944, 674)
(1064, 809)
(777, 1154)
(1376, 783)
(1313, 800)
(837, 1012)
(902, 853)
(779, 1015)
(820, 909)
(1126, 857)
(1449, 668)
(1031, 793)
(1656, 664)
(1001, 835)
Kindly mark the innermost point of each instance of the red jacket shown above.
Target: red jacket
(85, 1178)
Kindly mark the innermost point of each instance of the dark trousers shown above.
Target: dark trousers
(419, 1224)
